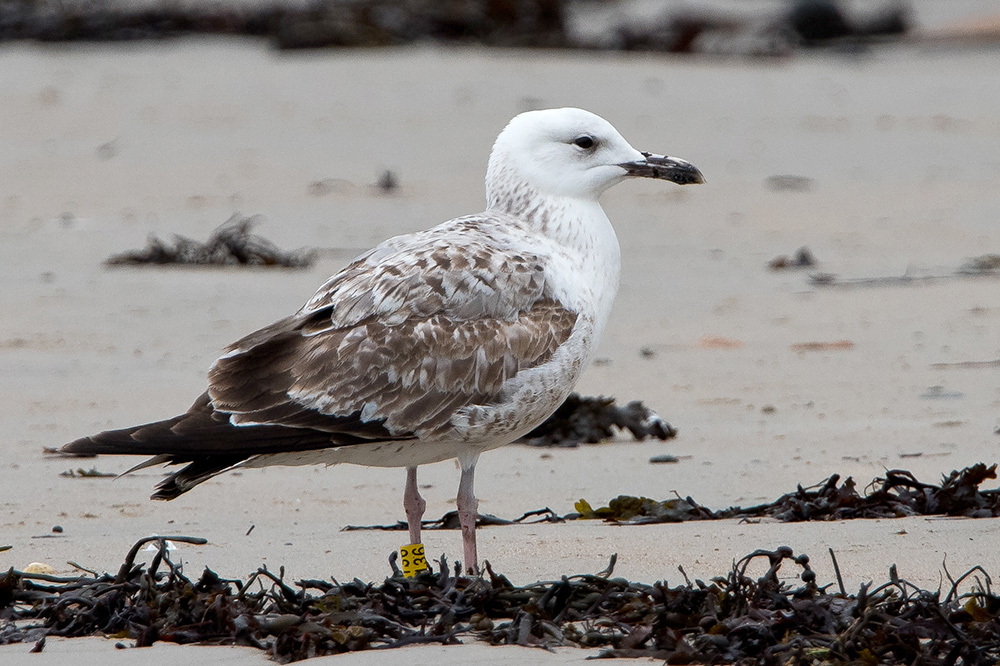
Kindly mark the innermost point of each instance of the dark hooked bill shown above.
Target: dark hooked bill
(664, 167)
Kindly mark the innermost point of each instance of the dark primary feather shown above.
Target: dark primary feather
(202, 431)
(210, 444)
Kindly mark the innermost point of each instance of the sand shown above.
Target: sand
(104, 145)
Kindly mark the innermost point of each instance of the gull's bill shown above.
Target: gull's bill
(664, 167)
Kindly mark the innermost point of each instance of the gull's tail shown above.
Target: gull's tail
(205, 442)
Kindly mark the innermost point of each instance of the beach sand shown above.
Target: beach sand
(104, 145)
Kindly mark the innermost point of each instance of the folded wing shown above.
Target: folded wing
(387, 350)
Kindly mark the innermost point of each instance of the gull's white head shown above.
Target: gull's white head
(571, 153)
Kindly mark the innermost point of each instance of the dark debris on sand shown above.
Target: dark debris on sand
(506, 23)
(897, 494)
(450, 521)
(803, 258)
(776, 618)
(319, 23)
(231, 244)
(982, 266)
(588, 420)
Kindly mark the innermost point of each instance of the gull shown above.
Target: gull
(434, 345)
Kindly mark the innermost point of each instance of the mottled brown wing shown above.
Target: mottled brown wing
(402, 337)
(408, 377)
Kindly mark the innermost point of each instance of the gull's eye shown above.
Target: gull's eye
(584, 141)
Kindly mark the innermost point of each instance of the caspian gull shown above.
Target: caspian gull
(434, 345)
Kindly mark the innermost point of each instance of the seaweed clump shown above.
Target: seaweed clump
(231, 244)
(896, 495)
(585, 419)
(733, 618)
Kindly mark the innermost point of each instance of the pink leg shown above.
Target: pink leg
(414, 504)
(468, 510)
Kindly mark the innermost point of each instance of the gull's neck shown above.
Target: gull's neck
(580, 236)
(572, 222)
(577, 224)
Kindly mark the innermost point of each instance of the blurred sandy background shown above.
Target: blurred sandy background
(106, 144)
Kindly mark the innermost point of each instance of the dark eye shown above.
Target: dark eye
(585, 141)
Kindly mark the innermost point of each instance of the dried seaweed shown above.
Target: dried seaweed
(733, 618)
(974, 365)
(803, 258)
(231, 244)
(92, 473)
(450, 521)
(511, 23)
(986, 265)
(897, 494)
(593, 419)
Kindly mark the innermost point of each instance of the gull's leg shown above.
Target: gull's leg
(414, 504)
(468, 510)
